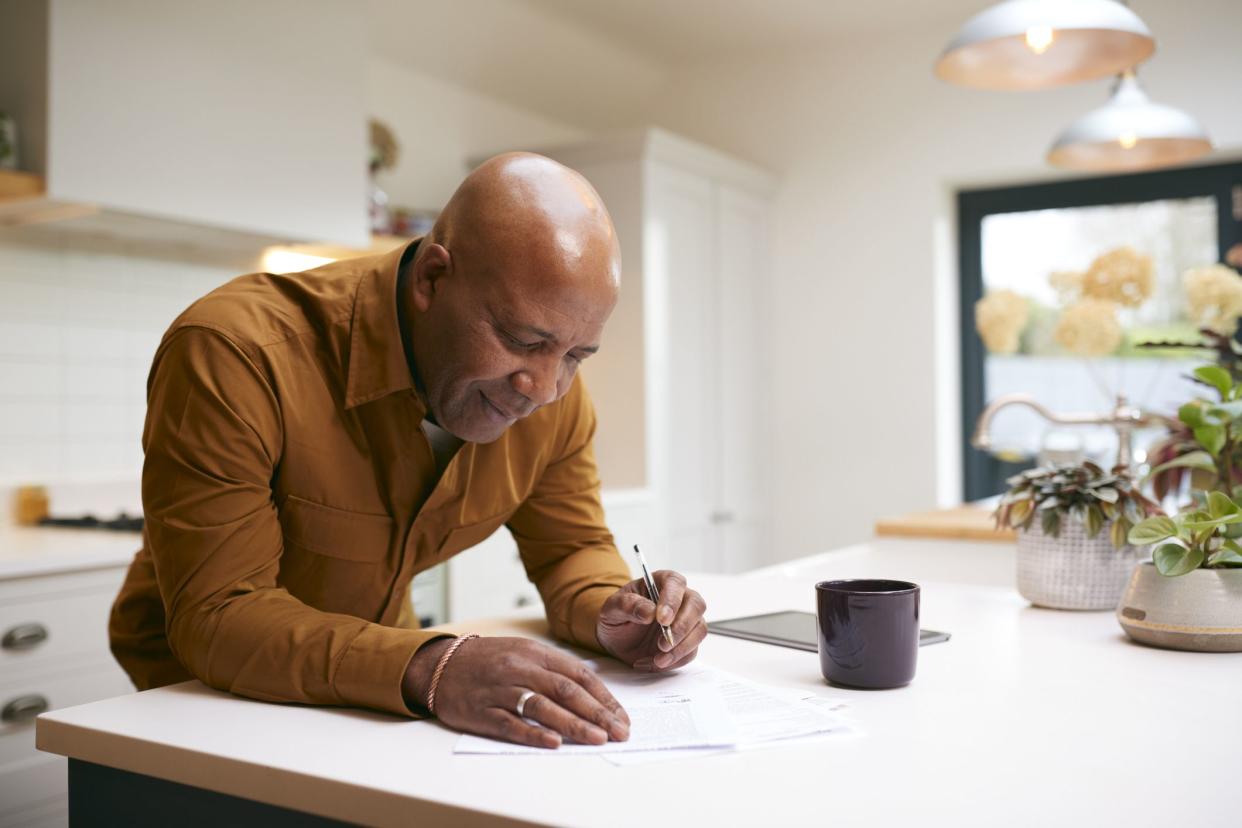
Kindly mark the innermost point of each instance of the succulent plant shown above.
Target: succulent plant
(1051, 494)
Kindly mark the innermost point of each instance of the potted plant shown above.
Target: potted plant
(1073, 523)
(1205, 441)
(1189, 597)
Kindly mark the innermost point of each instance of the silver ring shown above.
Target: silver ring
(521, 705)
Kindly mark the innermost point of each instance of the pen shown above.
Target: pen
(653, 593)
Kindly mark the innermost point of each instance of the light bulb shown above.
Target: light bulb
(1039, 38)
(1127, 140)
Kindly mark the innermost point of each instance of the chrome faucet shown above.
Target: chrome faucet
(1124, 418)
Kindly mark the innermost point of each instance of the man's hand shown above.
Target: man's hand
(626, 629)
(483, 681)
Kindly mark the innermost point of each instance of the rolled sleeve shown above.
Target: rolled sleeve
(213, 442)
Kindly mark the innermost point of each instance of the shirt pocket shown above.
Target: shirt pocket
(464, 537)
(336, 533)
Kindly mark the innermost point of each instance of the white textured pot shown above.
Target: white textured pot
(1201, 610)
(1073, 571)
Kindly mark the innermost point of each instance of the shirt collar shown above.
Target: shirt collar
(377, 363)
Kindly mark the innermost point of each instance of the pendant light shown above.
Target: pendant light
(1035, 44)
(1129, 133)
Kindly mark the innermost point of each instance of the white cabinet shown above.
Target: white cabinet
(743, 365)
(242, 116)
(54, 630)
(689, 339)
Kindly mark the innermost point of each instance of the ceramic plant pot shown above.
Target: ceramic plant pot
(1073, 571)
(1200, 611)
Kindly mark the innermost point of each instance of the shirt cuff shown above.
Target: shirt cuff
(584, 616)
(372, 670)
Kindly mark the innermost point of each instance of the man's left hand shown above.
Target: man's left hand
(627, 628)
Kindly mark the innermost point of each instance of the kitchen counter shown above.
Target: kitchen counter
(1026, 717)
(27, 552)
(970, 521)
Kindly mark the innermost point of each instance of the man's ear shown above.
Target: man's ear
(431, 264)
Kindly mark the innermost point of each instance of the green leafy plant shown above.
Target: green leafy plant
(1201, 536)
(1085, 492)
(1206, 442)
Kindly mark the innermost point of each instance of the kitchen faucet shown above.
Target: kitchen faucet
(1124, 418)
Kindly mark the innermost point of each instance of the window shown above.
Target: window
(1037, 241)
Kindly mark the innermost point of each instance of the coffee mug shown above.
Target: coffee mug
(868, 631)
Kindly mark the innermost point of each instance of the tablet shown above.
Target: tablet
(789, 629)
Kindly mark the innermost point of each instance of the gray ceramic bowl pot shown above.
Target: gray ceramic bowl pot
(1201, 610)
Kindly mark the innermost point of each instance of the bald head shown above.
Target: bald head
(522, 204)
(509, 293)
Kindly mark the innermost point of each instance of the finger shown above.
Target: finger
(628, 607)
(667, 661)
(553, 716)
(689, 615)
(574, 686)
(505, 724)
(687, 645)
(672, 587)
(689, 657)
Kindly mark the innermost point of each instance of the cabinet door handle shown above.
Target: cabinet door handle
(24, 708)
(24, 636)
(722, 516)
(522, 600)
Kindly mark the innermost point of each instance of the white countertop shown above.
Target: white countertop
(1026, 717)
(27, 552)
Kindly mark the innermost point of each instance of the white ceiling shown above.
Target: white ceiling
(597, 64)
(679, 30)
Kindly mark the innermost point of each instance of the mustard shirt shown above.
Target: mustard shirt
(290, 497)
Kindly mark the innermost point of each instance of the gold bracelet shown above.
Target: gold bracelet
(435, 677)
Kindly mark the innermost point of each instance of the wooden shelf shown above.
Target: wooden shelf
(966, 522)
(15, 184)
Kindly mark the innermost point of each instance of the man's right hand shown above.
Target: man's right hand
(481, 684)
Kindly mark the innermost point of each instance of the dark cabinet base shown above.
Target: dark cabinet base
(104, 796)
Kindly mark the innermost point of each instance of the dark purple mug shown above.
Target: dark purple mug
(868, 632)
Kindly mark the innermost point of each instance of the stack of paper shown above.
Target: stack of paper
(692, 712)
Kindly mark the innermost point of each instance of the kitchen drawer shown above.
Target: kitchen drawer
(103, 579)
(59, 618)
(93, 680)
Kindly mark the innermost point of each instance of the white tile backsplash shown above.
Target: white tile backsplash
(78, 330)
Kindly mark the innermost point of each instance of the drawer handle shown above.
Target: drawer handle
(24, 708)
(24, 636)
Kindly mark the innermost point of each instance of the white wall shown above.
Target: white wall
(440, 126)
(870, 147)
(518, 51)
(78, 329)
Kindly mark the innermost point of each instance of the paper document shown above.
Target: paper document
(764, 716)
(667, 711)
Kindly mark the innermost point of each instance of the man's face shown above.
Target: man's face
(501, 345)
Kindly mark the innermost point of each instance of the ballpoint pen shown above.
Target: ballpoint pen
(653, 593)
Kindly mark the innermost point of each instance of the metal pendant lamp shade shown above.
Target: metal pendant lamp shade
(1036, 44)
(1130, 133)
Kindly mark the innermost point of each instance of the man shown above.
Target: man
(314, 440)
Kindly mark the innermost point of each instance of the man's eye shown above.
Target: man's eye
(517, 343)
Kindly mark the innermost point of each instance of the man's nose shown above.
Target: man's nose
(537, 380)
